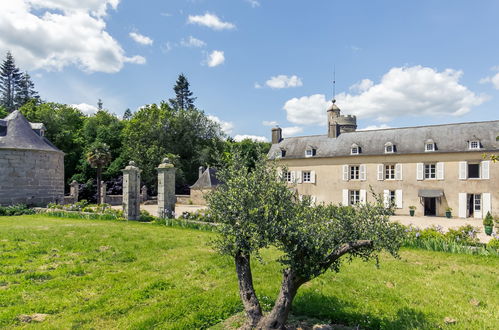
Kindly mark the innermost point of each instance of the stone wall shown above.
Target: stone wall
(31, 177)
(197, 196)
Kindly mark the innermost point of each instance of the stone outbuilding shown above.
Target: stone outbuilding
(31, 167)
(206, 182)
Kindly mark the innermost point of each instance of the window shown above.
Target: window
(355, 150)
(430, 171)
(473, 171)
(283, 153)
(390, 172)
(429, 146)
(310, 152)
(354, 172)
(475, 144)
(478, 202)
(307, 176)
(389, 148)
(3, 130)
(392, 197)
(354, 197)
(287, 177)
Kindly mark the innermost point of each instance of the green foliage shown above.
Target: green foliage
(248, 149)
(183, 96)
(494, 244)
(10, 77)
(488, 220)
(3, 112)
(145, 216)
(18, 209)
(98, 155)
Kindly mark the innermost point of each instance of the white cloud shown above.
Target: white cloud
(210, 20)
(253, 3)
(215, 58)
(269, 123)
(192, 42)
(137, 59)
(257, 138)
(283, 81)
(257, 85)
(402, 91)
(86, 108)
(53, 34)
(307, 110)
(226, 126)
(141, 39)
(374, 127)
(494, 80)
(290, 131)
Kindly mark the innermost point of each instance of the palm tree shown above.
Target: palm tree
(98, 156)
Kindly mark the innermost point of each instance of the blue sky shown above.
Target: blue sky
(253, 64)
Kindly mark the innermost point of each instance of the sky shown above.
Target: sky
(255, 64)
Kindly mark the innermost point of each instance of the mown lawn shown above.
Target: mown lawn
(109, 274)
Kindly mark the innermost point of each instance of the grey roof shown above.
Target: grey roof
(408, 140)
(207, 180)
(20, 135)
(37, 126)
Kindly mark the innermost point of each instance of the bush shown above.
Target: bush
(464, 235)
(145, 216)
(489, 220)
(200, 215)
(494, 243)
(18, 209)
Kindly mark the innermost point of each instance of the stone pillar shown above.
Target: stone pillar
(131, 192)
(74, 190)
(103, 191)
(143, 194)
(166, 189)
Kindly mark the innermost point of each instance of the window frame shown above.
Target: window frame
(307, 176)
(427, 144)
(478, 165)
(354, 172)
(310, 152)
(429, 174)
(392, 171)
(474, 142)
(287, 177)
(389, 148)
(353, 197)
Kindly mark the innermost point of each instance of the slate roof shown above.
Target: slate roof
(20, 135)
(408, 140)
(207, 180)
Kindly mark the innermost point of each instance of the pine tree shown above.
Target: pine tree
(183, 96)
(10, 77)
(25, 91)
(99, 105)
(128, 114)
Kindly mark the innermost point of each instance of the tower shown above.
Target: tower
(338, 123)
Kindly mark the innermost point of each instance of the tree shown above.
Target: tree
(98, 156)
(183, 96)
(256, 210)
(25, 91)
(3, 112)
(127, 114)
(99, 105)
(10, 76)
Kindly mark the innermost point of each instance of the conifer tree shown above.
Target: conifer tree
(10, 77)
(183, 96)
(25, 91)
(128, 114)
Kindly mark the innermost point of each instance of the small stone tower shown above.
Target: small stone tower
(337, 123)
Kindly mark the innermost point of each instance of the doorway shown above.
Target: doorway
(474, 206)
(430, 206)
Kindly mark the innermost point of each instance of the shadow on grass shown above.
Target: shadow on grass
(335, 311)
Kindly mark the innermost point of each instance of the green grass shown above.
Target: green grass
(127, 275)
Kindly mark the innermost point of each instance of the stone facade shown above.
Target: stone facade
(131, 192)
(166, 189)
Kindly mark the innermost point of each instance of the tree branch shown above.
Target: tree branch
(346, 248)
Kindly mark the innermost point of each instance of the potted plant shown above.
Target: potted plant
(448, 212)
(488, 224)
(412, 209)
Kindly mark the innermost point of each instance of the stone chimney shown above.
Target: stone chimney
(276, 135)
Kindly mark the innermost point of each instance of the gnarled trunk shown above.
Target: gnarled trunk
(246, 290)
(279, 314)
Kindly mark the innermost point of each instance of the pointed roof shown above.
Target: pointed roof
(333, 106)
(20, 135)
(207, 180)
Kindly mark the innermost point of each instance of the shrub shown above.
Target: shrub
(489, 220)
(494, 243)
(145, 216)
(464, 235)
(18, 209)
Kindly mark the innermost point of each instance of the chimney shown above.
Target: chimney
(201, 171)
(276, 135)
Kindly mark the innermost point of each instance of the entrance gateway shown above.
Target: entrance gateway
(428, 199)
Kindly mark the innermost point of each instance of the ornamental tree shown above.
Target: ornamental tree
(257, 209)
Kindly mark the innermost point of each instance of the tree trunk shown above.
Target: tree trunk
(99, 170)
(246, 290)
(279, 314)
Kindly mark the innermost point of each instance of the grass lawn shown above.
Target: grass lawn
(110, 274)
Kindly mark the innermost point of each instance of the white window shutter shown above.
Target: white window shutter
(312, 176)
(386, 198)
(485, 169)
(380, 172)
(463, 170)
(398, 199)
(462, 205)
(419, 174)
(345, 172)
(363, 196)
(362, 173)
(345, 197)
(398, 171)
(487, 207)
(293, 176)
(440, 171)
(299, 176)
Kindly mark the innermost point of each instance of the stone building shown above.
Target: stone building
(430, 167)
(207, 181)
(31, 168)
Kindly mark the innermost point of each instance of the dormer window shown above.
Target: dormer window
(474, 145)
(389, 148)
(355, 149)
(429, 145)
(283, 153)
(310, 152)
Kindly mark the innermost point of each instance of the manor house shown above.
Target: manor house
(430, 167)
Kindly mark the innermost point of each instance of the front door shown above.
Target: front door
(477, 206)
(430, 206)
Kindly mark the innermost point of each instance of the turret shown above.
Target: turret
(337, 123)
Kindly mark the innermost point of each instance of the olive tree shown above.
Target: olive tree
(257, 209)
